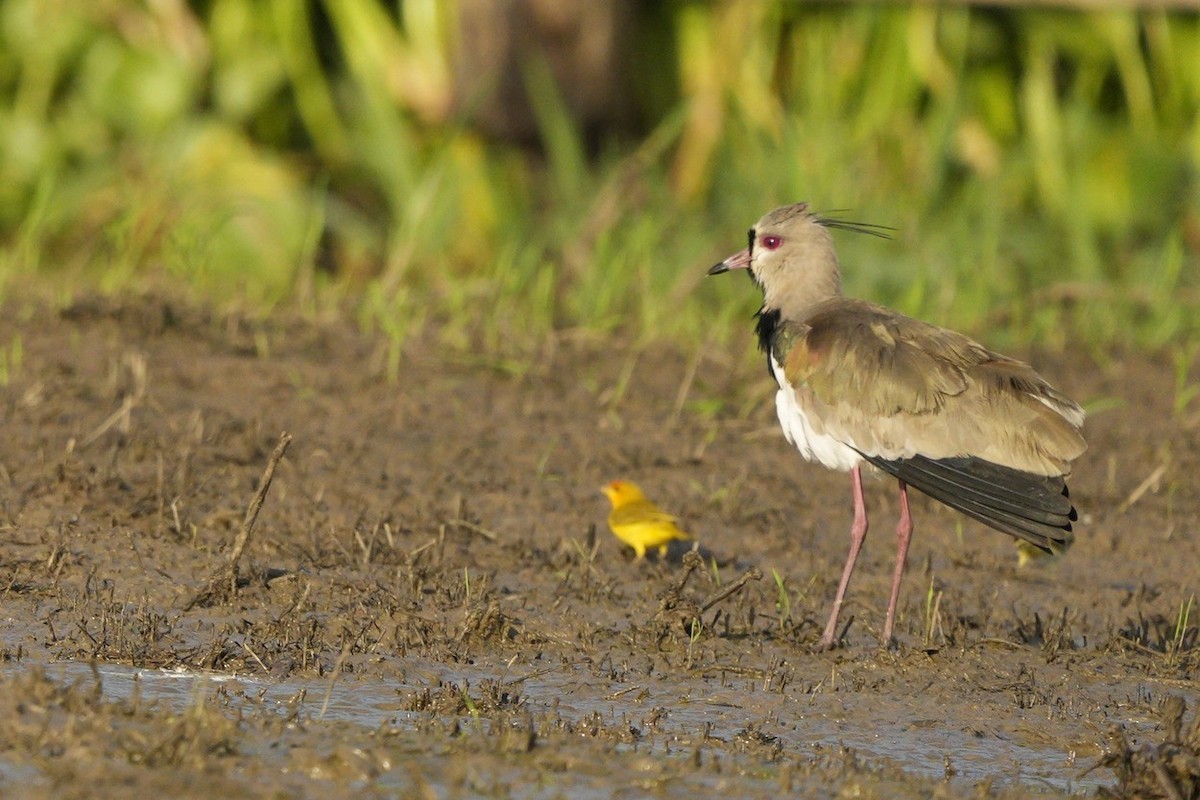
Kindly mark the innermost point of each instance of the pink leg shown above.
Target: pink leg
(904, 529)
(858, 534)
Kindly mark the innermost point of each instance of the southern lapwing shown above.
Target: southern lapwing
(860, 383)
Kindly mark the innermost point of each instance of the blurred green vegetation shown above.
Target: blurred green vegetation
(1039, 165)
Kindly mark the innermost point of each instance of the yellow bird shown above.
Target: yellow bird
(638, 522)
(1030, 554)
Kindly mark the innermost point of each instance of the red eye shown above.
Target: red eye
(771, 242)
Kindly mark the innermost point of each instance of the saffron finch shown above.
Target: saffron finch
(638, 522)
(1031, 554)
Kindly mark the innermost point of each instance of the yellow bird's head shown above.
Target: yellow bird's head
(621, 492)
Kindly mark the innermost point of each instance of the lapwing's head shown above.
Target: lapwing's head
(790, 256)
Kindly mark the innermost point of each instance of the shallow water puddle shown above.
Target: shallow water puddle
(902, 731)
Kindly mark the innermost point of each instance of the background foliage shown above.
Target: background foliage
(1039, 165)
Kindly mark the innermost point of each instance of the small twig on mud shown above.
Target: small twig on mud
(692, 561)
(257, 660)
(685, 385)
(672, 601)
(333, 676)
(752, 574)
(136, 363)
(1143, 487)
(222, 585)
(540, 672)
(471, 526)
(297, 603)
(1002, 642)
(673, 607)
(256, 504)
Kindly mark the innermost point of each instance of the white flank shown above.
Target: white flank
(819, 447)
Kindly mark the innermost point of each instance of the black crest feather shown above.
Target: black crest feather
(869, 228)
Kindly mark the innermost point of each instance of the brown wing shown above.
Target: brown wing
(894, 387)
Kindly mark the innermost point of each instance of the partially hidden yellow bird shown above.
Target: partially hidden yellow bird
(638, 522)
(1032, 554)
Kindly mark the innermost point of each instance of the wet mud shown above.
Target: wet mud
(429, 602)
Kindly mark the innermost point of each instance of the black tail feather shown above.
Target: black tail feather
(1039, 499)
(1036, 508)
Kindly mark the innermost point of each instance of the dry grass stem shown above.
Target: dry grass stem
(223, 583)
(752, 574)
(1146, 485)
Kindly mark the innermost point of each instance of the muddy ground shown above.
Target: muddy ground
(430, 604)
